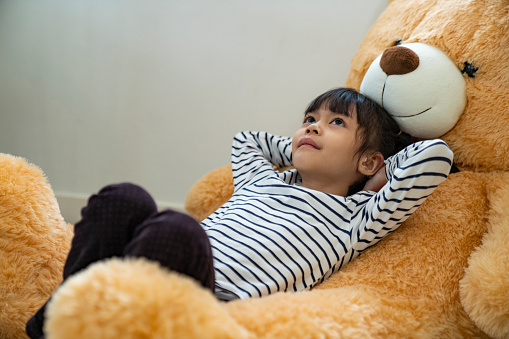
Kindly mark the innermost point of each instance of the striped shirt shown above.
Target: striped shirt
(275, 235)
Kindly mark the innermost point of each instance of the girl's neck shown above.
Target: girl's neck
(326, 187)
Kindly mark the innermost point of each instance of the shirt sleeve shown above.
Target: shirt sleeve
(255, 153)
(412, 174)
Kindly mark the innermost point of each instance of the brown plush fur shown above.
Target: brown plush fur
(137, 295)
(34, 241)
(443, 274)
(484, 289)
(210, 192)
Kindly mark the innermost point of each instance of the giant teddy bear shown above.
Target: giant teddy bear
(443, 274)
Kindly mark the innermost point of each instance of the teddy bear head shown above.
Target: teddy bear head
(441, 68)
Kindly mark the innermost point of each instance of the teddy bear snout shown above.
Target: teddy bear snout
(399, 60)
(420, 86)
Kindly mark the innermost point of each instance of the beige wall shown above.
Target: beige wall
(152, 91)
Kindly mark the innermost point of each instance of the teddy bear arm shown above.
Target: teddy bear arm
(484, 289)
(210, 192)
(34, 242)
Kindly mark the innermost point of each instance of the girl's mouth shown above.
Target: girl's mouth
(308, 142)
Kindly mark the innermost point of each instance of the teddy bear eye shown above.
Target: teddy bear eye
(398, 42)
(469, 69)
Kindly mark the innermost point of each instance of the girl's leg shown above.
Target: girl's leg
(121, 220)
(107, 226)
(178, 242)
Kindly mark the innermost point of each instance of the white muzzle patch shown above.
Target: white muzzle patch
(427, 100)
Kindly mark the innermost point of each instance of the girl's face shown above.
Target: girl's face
(324, 148)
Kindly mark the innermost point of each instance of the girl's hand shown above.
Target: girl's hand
(377, 181)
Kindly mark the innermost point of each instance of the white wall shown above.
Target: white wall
(152, 91)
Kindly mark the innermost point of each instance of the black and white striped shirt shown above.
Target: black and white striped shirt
(275, 235)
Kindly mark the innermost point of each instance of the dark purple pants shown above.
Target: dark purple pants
(122, 220)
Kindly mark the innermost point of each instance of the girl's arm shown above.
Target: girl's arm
(255, 153)
(377, 181)
(412, 175)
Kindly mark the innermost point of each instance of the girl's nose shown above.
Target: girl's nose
(313, 128)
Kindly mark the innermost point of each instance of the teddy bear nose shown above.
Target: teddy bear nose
(399, 60)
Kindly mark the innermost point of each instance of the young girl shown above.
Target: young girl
(283, 231)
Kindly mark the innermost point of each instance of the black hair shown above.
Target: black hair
(377, 131)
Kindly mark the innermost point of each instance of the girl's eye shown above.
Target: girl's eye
(338, 122)
(309, 120)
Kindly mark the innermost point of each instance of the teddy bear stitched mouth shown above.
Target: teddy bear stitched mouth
(412, 115)
(402, 116)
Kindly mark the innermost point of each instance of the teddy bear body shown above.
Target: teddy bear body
(418, 273)
(475, 35)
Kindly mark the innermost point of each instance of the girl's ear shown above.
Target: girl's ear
(369, 164)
